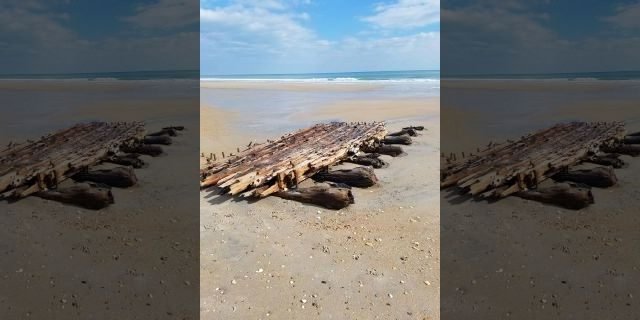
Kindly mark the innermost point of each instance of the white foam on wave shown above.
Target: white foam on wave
(330, 80)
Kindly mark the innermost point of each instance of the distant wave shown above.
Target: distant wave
(578, 76)
(332, 80)
(109, 76)
(77, 80)
(582, 79)
(414, 76)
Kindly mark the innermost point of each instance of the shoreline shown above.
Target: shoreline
(288, 85)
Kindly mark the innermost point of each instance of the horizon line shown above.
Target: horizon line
(305, 73)
(91, 72)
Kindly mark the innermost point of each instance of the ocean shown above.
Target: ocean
(432, 76)
(105, 76)
(576, 76)
(271, 106)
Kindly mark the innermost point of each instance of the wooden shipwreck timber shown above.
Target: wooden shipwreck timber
(518, 167)
(38, 167)
(277, 167)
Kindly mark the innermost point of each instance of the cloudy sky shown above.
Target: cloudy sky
(306, 36)
(539, 36)
(70, 36)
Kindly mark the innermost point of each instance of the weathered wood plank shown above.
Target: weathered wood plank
(406, 140)
(165, 140)
(368, 159)
(85, 195)
(362, 177)
(563, 195)
(120, 177)
(609, 159)
(128, 159)
(600, 177)
(328, 197)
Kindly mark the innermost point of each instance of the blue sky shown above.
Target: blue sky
(540, 36)
(70, 36)
(309, 36)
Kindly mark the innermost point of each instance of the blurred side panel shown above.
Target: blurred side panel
(96, 222)
(518, 241)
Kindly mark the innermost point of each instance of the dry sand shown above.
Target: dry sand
(521, 259)
(136, 259)
(376, 259)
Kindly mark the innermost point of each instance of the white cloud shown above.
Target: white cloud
(34, 39)
(627, 16)
(510, 38)
(262, 24)
(28, 22)
(406, 14)
(165, 14)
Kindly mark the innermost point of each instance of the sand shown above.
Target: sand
(521, 259)
(135, 259)
(378, 258)
(376, 109)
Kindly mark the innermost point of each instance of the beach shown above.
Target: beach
(134, 259)
(526, 260)
(377, 258)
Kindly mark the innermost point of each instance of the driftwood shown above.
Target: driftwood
(631, 150)
(406, 140)
(264, 169)
(418, 128)
(564, 195)
(328, 197)
(505, 169)
(609, 159)
(600, 177)
(368, 159)
(631, 139)
(157, 140)
(361, 177)
(85, 195)
(121, 177)
(128, 159)
(405, 131)
(176, 128)
(150, 150)
(393, 151)
(40, 165)
(164, 132)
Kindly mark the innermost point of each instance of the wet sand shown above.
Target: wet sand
(522, 259)
(288, 85)
(378, 258)
(135, 259)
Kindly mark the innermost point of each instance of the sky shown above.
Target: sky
(539, 36)
(313, 36)
(77, 36)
